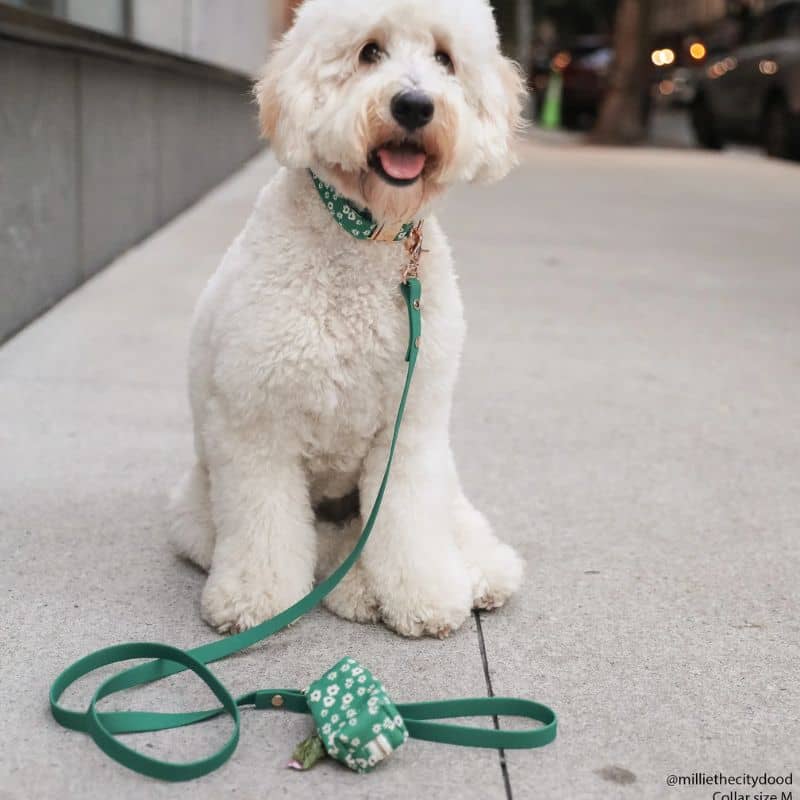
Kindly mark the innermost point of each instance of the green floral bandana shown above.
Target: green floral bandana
(356, 721)
(359, 223)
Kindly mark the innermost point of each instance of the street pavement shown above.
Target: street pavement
(628, 415)
(670, 127)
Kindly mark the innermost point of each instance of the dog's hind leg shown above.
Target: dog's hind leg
(192, 532)
(353, 599)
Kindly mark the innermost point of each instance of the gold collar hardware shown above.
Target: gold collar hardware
(413, 245)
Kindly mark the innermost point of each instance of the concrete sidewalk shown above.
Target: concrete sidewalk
(628, 415)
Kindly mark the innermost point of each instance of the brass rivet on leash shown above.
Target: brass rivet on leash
(417, 305)
(277, 701)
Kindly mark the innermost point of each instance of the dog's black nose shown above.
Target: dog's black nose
(412, 109)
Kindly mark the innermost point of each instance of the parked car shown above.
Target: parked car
(585, 85)
(584, 68)
(752, 93)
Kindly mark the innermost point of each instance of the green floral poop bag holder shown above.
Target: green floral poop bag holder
(357, 723)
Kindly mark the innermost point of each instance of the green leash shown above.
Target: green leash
(368, 726)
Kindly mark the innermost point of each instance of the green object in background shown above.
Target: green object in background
(551, 113)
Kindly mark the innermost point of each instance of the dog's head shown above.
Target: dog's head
(393, 101)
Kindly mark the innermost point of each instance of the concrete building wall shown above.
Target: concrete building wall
(104, 16)
(39, 218)
(235, 35)
(97, 151)
(164, 25)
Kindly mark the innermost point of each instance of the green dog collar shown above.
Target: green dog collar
(357, 222)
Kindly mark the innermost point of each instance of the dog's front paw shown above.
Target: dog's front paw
(495, 568)
(233, 607)
(496, 575)
(353, 599)
(424, 621)
(434, 607)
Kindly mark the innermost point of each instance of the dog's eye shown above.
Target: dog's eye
(443, 58)
(371, 53)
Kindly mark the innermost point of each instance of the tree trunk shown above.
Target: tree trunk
(623, 116)
(525, 46)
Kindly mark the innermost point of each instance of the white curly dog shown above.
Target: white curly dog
(298, 349)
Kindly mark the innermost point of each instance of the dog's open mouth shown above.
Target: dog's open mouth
(399, 164)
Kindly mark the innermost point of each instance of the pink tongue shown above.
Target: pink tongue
(404, 165)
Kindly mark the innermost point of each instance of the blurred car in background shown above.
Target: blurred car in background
(584, 68)
(752, 92)
(585, 77)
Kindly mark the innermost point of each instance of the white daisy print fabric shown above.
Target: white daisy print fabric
(358, 728)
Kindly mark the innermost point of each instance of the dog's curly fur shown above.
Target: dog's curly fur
(297, 355)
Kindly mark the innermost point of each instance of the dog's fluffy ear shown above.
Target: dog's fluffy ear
(502, 102)
(285, 98)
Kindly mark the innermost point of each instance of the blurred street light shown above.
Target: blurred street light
(561, 60)
(698, 51)
(663, 58)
